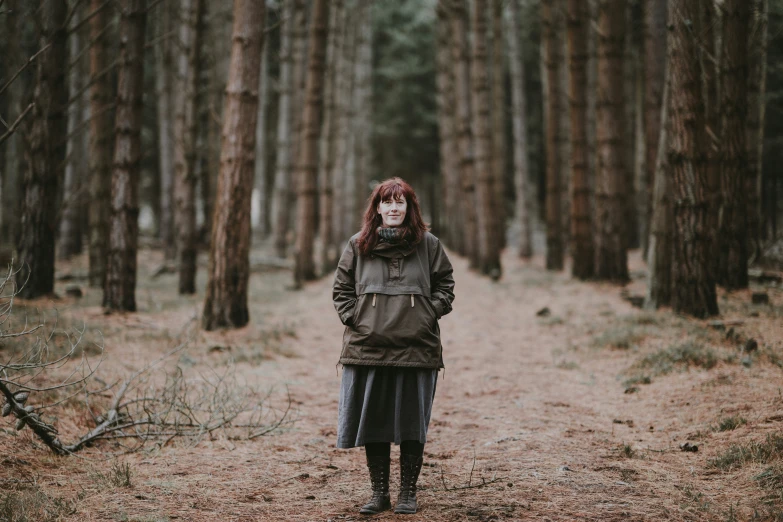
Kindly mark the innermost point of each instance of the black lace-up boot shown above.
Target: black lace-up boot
(379, 477)
(410, 466)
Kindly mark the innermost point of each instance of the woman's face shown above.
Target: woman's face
(393, 211)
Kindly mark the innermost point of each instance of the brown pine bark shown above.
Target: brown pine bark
(282, 188)
(523, 188)
(735, 175)
(45, 137)
(225, 305)
(757, 83)
(362, 127)
(465, 138)
(69, 242)
(659, 255)
(498, 125)
(165, 108)
(447, 138)
(101, 144)
(611, 261)
(188, 75)
(552, 55)
(10, 198)
(260, 189)
(693, 284)
(307, 167)
(328, 143)
(654, 65)
(582, 251)
(489, 252)
(120, 285)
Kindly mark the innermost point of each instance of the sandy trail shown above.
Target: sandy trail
(526, 403)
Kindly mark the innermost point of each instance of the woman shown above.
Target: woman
(392, 284)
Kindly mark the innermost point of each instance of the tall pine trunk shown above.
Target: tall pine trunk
(165, 107)
(327, 152)
(733, 264)
(447, 136)
(120, 286)
(362, 127)
(498, 124)
(185, 180)
(225, 304)
(654, 65)
(524, 193)
(282, 186)
(552, 55)
(45, 138)
(757, 83)
(461, 62)
(307, 164)
(260, 189)
(611, 260)
(693, 283)
(582, 251)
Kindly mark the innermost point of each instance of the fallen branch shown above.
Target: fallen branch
(469, 485)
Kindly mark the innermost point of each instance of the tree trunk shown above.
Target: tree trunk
(757, 83)
(461, 63)
(164, 94)
(362, 127)
(120, 287)
(654, 65)
(659, 256)
(524, 194)
(337, 29)
(259, 179)
(70, 240)
(611, 260)
(564, 132)
(188, 75)
(45, 153)
(307, 167)
(447, 139)
(498, 125)
(582, 251)
(281, 205)
(733, 273)
(225, 304)
(552, 43)
(630, 58)
(489, 253)
(693, 284)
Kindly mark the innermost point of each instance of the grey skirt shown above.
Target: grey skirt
(384, 404)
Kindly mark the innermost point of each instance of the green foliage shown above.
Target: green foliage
(404, 110)
(730, 423)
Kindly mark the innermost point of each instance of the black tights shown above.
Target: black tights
(383, 449)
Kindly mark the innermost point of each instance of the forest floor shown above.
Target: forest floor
(577, 413)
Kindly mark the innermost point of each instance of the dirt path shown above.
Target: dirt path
(536, 405)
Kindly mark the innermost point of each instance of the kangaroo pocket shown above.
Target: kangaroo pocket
(393, 322)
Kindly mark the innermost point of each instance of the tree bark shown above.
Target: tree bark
(498, 125)
(693, 284)
(307, 189)
(659, 256)
(225, 304)
(757, 83)
(362, 127)
(10, 197)
(654, 65)
(630, 59)
(735, 175)
(70, 239)
(283, 172)
(328, 141)
(447, 139)
(611, 261)
(465, 139)
(552, 43)
(164, 94)
(260, 190)
(519, 110)
(45, 153)
(120, 286)
(188, 75)
(582, 252)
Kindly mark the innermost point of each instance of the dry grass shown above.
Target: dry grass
(760, 452)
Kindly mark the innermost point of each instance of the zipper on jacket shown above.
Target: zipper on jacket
(373, 299)
(412, 302)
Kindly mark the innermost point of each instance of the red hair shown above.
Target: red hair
(413, 226)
